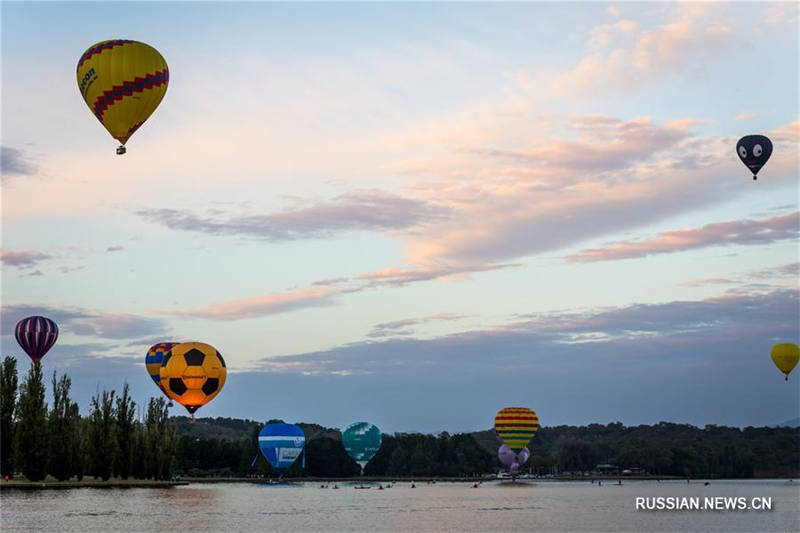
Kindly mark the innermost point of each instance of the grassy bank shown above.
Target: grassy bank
(24, 484)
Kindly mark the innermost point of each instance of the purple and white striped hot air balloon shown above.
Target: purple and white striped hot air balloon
(511, 459)
(36, 335)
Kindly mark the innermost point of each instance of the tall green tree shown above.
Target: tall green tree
(8, 406)
(125, 433)
(62, 425)
(159, 440)
(102, 438)
(30, 437)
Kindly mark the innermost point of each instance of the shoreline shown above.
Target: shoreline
(132, 484)
(93, 484)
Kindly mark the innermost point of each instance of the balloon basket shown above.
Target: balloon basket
(121, 150)
(192, 420)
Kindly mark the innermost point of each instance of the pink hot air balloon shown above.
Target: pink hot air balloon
(511, 459)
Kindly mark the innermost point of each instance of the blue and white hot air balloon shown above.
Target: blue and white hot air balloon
(281, 444)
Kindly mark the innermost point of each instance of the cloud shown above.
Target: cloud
(602, 176)
(13, 162)
(729, 317)
(683, 361)
(745, 115)
(402, 327)
(365, 210)
(24, 259)
(742, 232)
(623, 54)
(398, 277)
(115, 248)
(267, 304)
(84, 322)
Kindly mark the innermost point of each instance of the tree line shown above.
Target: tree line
(112, 441)
(37, 441)
(666, 449)
(401, 455)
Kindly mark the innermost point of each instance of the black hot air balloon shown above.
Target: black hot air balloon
(754, 151)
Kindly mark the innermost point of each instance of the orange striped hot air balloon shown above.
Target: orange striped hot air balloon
(516, 426)
(122, 82)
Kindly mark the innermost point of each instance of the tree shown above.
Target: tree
(159, 440)
(30, 437)
(8, 406)
(102, 439)
(62, 430)
(125, 433)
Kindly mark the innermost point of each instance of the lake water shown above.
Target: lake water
(539, 506)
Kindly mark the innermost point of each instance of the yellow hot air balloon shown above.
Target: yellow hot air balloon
(192, 374)
(785, 357)
(122, 82)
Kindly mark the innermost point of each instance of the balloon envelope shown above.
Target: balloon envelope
(122, 82)
(516, 426)
(193, 373)
(281, 444)
(754, 151)
(36, 335)
(512, 459)
(152, 361)
(362, 441)
(785, 356)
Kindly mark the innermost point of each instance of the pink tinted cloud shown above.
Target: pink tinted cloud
(23, 259)
(397, 277)
(742, 232)
(262, 305)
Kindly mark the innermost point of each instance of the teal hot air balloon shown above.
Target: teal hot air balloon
(362, 441)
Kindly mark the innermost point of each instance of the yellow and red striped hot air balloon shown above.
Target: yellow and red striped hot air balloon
(516, 426)
(122, 82)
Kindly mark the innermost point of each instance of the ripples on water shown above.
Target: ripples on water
(541, 506)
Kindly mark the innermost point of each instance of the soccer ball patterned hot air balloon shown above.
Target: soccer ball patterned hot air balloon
(36, 335)
(362, 441)
(785, 356)
(122, 82)
(511, 459)
(192, 374)
(516, 426)
(153, 359)
(281, 445)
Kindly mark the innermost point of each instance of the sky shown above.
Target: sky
(417, 214)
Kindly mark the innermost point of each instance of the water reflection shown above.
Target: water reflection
(441, 507)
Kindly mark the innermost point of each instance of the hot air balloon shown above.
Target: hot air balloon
(511, 459)
(152, 361)
(192, 374)
(122, 82)
(516, 426)
(36, 335)
(362, 441)
(281, 444)
(785, 357)
(754, 151)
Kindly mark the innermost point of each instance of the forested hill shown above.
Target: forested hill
(661, 449)
(237, 428)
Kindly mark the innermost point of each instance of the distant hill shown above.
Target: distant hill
(235, 428)
(793, 423)
(228, 428)
(487, 439)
